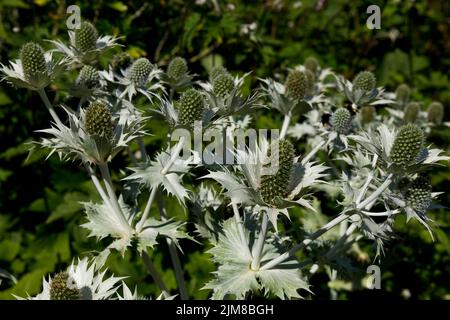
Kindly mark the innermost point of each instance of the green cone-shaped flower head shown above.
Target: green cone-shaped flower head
(177, 68)
(276, 185)
(33, 60)
(436, 112)
(63, 287)
(311, 64)
(407, 145)
(98, 120)
(86, 37)
(341, 121)
(364, 81)
(140, 71)
(215, 72)
(296, 84)
(120, 61)
(368, 114)
(402, 93)
(418, 194)
(411, 112)
(88, 77)
(223, 84)
(191, 107)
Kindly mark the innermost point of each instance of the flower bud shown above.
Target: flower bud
(402, 93)
(418, 194)
(368, 114)
(223, 84)
(215, 72)
(88, 77)
(276, 185)
(411, 112)
(177, 68)
(33, 60)
(98, 120)
(86, 37)
(407, 145)
(341, 121)
(311, 64)
(140, 71)
(63, 287)
(120, 61)
(365, 81)
(296, 84)
(436, 112)
(191, 107)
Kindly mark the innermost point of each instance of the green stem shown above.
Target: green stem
(285, 126)
(173, 253)
(314, 151)
(240, 226)
(154, 273)
(376, 193)
(258, 250)
(50, 108)
(144, 217)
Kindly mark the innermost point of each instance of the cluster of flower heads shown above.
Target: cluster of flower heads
(386, 157)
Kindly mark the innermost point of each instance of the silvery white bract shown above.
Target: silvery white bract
(92, 284)
(76, 56)
(235, 277)
(14, 73)
(72, 142)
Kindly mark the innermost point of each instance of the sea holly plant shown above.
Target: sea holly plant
(362, 145)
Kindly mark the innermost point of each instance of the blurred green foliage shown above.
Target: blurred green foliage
(40, 212)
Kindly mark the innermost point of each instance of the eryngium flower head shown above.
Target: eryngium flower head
(310, 76)
(223, 84)
(418, 194)
(120, 61)
(296, 84)
(311, 64)
(98, 120)
(191, 107)
(411, 112)
(177, 68)
(407, 145)
(276, 185)
(364, 81)
(86, 37)
(88, 77)
(63, 287)
(140, 71)
(341, 121)
(402, 93)
(436, 112)
(215, 72)
(33, 61)
(368, 114)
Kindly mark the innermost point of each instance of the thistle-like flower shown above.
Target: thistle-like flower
(407, 145)
(81, 281)
(311, 64)
(296, 84)
(98, 120)
(411, 112)
(88, 77)
(85, 45)
(418, 194)
(364, 81)
(191, 107)
(435, 113)
(177, 75)
(215, 72)
(140, 71)
(223, 84)
(341, 121)
(276, 186)
(34, 70)
(402, 94)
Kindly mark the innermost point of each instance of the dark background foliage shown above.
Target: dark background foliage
(40, 212)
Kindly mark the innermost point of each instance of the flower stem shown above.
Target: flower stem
(154, 273)
(376, 193)
(368, 181)
(174, 155)
(240, 226)
(305, 243)
(173, 252)
(313, 151)
(258, 249)
(144, 217)
(285, 126)
(50, 108)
